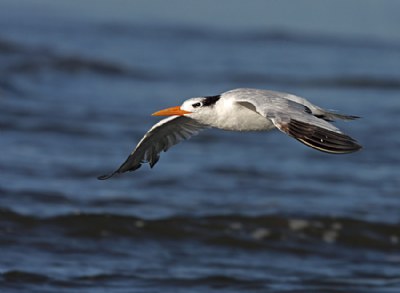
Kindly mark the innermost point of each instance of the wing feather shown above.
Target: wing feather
(300, 119)
(319, 138)
(163, 135)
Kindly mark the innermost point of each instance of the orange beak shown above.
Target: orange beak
(171, 111)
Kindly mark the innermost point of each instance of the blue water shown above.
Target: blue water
(224, 211)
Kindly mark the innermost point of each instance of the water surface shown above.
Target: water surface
(226, 212)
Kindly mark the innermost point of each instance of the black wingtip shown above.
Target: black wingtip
(106, 176)
(119, 171)
(350, 147)
(322, 139)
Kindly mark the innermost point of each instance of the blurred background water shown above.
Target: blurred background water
(226, 212)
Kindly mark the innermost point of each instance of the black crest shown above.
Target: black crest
(211, 100)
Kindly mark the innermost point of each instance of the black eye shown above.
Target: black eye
(195, 105)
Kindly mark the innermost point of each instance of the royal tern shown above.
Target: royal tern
(242, 110)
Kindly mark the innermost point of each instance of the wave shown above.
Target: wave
(16, 276)
(265, 36)
(9, 47)
(226, 230)
(32, 61)
(352, 81)
(25, 278)
(74, 65)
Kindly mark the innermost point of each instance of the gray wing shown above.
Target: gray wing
(300, 119)
(163, 135)
(257, 96)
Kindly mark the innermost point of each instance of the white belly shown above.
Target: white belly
(239, 118)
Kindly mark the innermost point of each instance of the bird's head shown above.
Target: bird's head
(192, 107)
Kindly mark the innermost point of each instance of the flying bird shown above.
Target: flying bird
(242, 109)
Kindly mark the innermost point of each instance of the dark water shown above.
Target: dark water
(226, 212)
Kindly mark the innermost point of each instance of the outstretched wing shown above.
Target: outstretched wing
(301, 120)
(160, 137)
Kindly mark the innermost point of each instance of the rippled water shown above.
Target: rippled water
(230, 212)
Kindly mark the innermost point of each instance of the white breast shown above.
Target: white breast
(229, 115)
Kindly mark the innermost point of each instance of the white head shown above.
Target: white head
(196, 108)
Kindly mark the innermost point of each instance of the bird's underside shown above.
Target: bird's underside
(292, 115)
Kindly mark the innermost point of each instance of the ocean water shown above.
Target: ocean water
(222, 212)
